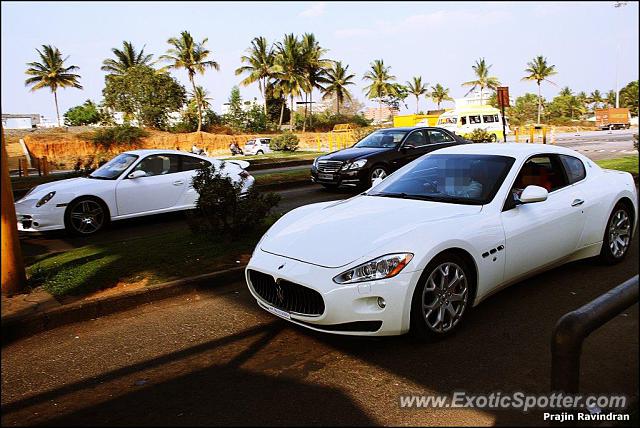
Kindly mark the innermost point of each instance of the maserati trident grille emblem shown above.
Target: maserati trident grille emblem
(279, 293)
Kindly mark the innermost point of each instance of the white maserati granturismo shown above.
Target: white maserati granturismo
(134, 183)
(438, 236)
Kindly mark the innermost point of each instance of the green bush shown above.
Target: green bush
(286, 141)
(480, 136)
(123, 134)
(222, 210)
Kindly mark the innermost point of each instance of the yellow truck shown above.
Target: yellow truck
(415, 119)
(613, 118)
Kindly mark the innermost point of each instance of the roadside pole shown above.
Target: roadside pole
(13, 275)
(503, 101)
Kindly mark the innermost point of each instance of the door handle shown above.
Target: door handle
(577, 202)
(178, 183)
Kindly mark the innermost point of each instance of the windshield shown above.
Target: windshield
(116, 166)
(388, 138)
(453, 178)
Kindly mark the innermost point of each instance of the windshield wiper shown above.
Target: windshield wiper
(449, 199)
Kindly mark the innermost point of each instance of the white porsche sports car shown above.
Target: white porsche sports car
(134, 183)
(419, 249)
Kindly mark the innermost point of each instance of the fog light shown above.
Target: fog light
(381, 303)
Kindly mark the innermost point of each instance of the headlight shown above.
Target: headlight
(358, 164)
(315, 162)
(354, 165)
(381, 268)
(46, 198)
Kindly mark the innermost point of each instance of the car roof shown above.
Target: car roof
(407, 128)
(507, 149)
(146, 152)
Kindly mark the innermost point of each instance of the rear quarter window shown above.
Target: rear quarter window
(574, 168)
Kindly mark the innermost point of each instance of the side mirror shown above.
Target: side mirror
(533, 194)
(137, 174)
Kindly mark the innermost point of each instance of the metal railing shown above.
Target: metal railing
(574, 327)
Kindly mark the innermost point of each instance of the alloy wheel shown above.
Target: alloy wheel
(444, 297)
(378, 173)
(619, 233)
(87, 217)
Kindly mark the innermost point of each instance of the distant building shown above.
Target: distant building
(380, 114)
(20, 121)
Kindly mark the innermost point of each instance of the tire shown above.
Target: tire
(259, 152)
(86, 216)
(437, 322)
(617, 235)
(377, 171)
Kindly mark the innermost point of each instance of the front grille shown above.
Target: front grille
(329, 166)
(286, 295)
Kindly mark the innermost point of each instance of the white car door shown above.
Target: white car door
(189, 167)
(539, 233)
(160, 188)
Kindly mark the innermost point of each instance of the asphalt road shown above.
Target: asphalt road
(596, 144)
(214, 358)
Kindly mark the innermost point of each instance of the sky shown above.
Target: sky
(439, 41)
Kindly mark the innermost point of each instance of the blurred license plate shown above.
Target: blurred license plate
(278, 312)
(322, 176)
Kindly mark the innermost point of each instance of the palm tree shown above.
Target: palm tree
(483, 80)
(539, 71)
(192, 56)
(417, 88)
(315, 68)
(201, 96)
(291, 78)
(337, 82)
(260, 66)
(439, 94)
(596, 99)
(380, 79)
(125, 59)
(610, 98)
(51, 73)
(566, 92)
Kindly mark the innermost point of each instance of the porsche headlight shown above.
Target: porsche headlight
(46, 198)
(381, 268)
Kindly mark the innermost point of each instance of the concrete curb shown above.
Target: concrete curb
(22, 325)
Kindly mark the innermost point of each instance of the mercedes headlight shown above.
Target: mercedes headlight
(381, 268)
(46, 198)
(358, 164)
(315, 162)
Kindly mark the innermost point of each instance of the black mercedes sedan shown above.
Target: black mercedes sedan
(378, 155)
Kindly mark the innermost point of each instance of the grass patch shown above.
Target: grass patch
(297, 155)
(627, 163)
(151, 260)
(283, 177)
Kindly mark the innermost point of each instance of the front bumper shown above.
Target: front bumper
(357, 177)
(49, 216)
(348, 309)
